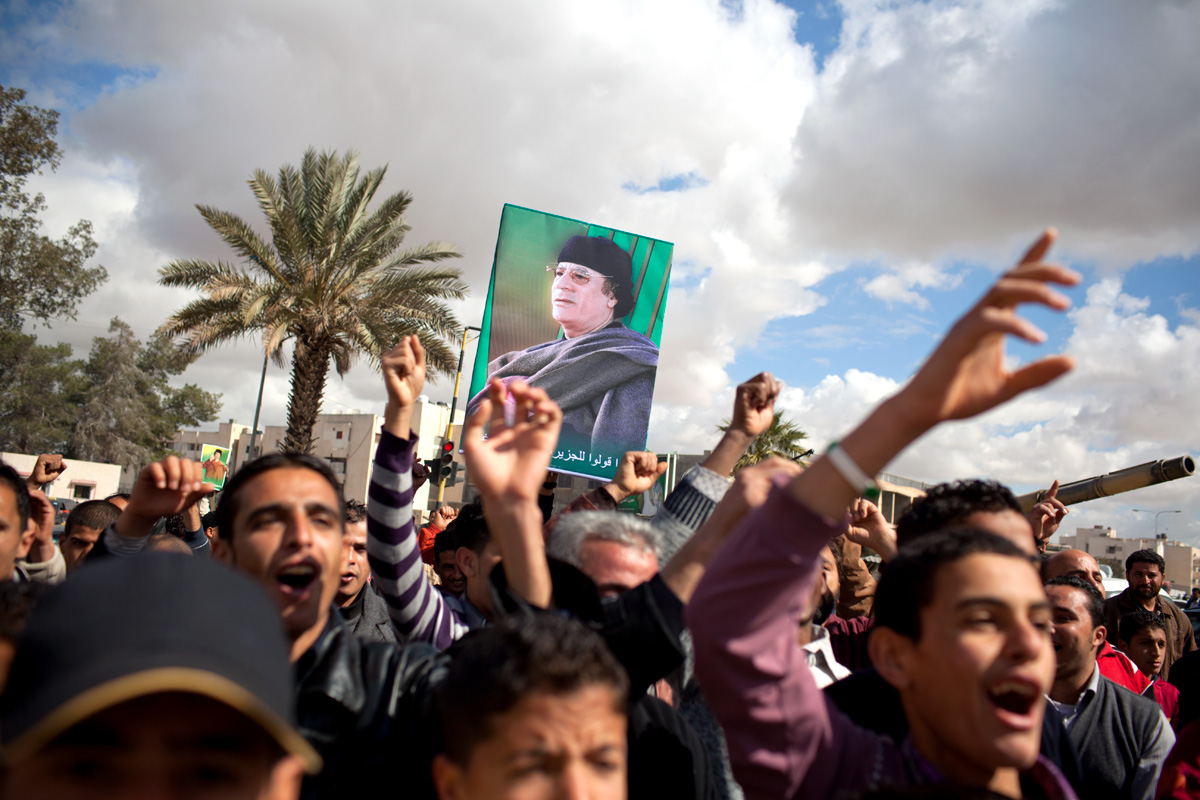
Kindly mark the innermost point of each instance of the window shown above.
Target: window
(339, 434)
(338, 465)
(81, 492)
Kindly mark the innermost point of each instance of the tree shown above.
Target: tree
(39, 277)
(42, 389)
(130, 412)
(782, 438)
(334, 280)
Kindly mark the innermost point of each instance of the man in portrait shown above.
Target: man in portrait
(599, 372)
(215, 469)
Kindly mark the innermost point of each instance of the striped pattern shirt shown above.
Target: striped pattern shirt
(419, 612)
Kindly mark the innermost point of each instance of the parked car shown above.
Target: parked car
(1193, 614)
(62, 507)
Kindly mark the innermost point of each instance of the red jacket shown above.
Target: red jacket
(1117, 667)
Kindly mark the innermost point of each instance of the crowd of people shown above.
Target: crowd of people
(291, 643)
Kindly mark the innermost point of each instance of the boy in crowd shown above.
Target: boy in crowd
(533, 707)
(1143, 637)
(962, 623)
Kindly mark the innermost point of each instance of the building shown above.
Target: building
(1182, 561)
(81, 480)
(346, 441)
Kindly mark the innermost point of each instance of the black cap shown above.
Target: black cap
(607, 258)
(131, 627)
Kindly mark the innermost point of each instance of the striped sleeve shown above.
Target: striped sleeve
(418, 611)
(688, 507)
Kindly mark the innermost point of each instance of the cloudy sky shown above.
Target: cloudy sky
(841, 181)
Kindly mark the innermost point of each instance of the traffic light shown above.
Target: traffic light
(447, 466)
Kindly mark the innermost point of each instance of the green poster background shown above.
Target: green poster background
(517, 313)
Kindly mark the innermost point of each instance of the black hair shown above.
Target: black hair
(1137, 621)
(444, 542)
(494, 668)
(17, 601)
(470, 528)
(17, 484)
(228, 507)
(1145, 557)
(209, 520)
(907, 587)
(118, 496)
(1095, 600)
(948, 504)
(96, 514)
(355, 512)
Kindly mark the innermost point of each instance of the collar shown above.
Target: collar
(353, 611)
(820, 655)
(1042, 780)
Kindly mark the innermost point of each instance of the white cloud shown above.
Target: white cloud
(899, 284)
(952, 128)
(937, 131)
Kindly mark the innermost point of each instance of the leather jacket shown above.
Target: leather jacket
(366, 708)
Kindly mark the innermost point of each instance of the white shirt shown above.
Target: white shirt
(825, 668)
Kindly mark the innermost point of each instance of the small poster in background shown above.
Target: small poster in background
(215, 461)
(577, 309)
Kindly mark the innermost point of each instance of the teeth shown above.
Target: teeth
(299, 569)
(1014, 687)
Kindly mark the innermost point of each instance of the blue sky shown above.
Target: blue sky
(836, 201)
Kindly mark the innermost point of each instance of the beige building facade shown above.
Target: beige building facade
(81, 480)
(1182, 561)
(345, 441)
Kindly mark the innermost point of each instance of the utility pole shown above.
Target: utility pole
(257, 409)
(454, 405)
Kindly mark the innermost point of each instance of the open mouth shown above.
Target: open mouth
(295, 580)
(1017, 698)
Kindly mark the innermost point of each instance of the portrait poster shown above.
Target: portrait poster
(215, 461)
(577, 309)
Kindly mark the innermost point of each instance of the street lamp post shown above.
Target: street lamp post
(1156, 515)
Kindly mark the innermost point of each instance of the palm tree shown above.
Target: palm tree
(334, 280)
(782, 438)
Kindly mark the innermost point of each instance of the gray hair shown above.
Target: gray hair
(572, 530)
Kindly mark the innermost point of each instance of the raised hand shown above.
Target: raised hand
(41, 520)
(162, 489)
(868, 527)
(47, 467)
(636, 473)
(508, 469)
(1046, 516)
(512, 462)
(443, 517)
(966, 374)
(403, 370)
(754, 404)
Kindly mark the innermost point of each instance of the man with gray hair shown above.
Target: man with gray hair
(617, 551)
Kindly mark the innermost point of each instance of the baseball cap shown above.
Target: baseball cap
(130, 627)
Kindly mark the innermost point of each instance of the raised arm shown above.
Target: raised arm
(417, 610)
(162, 489)
(508, 468)
(784, 740)
(692, 501)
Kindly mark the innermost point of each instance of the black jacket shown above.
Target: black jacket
(365, 707)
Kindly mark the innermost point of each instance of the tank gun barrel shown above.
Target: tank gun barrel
(1123, 480)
